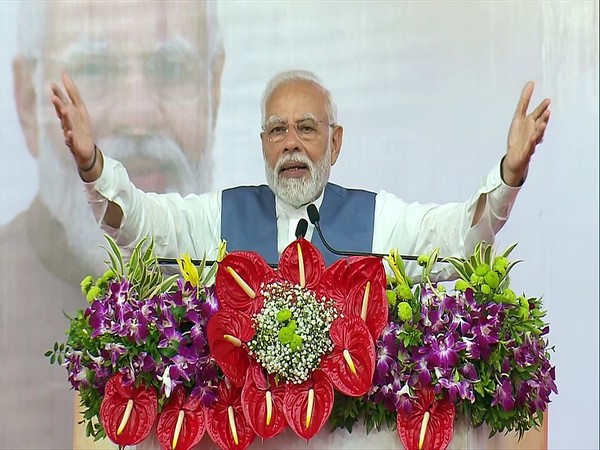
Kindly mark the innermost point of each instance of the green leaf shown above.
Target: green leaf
(210, 274)
(169, 352)
(469, 267)
(401, 267)
(487, 256)
(511, 265)
(474, 262)
(115, 256)
(164, 286)
(432, 260)
(459, 267)
(509, 250)
(149, 254)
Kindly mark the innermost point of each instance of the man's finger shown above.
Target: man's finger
(524, 100)
(58, 92)
(541, 108)
(538, 135)
(67, 118)
(57, 105)
(71, 89)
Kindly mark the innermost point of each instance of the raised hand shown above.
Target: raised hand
(75, 122)
(525, 133)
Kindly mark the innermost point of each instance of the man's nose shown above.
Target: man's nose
(292, 141)
(137, 108)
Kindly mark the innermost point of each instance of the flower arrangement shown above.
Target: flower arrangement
(287, 339)
(478, 348)
(141, 339)
(263, 349)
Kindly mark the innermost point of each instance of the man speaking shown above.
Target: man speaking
(301, 141)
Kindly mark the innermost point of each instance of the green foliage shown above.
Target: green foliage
(347, 411)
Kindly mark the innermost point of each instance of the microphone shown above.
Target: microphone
(196, 262)
(314, 217)
(301, 228)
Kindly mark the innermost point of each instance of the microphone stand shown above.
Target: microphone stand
(314, 217)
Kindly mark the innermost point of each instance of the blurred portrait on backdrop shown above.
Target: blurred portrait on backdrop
(151, 74)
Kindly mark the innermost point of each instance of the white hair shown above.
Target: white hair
(295, 76)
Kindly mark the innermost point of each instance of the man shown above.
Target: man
(301, 140)
(151, 73)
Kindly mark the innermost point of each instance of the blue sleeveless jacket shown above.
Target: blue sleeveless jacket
(249, 221)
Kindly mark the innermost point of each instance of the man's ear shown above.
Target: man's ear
(336, 142)
(216, 72)
(25, 98)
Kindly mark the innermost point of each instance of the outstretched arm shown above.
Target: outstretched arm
(455, 228)
(77, 128)
(77, 131)
(525, 133)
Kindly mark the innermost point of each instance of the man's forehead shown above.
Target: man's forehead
(130, 27)
(296, 100)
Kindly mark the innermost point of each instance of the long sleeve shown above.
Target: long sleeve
(415, 228)
(177, 224)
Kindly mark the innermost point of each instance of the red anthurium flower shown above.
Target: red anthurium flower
(351, 364)
(262, 402)
(336, 281)
(430, 425)
(226, 424)
(127, 413)
(228, 332)
(182, 423)
(309, 261)
(369, 302)
(308, 405)
(244, 295)
(345, 282)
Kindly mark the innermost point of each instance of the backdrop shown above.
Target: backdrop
(426, 92)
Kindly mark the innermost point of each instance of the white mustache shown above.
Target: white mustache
(154, 146)
(295, 158)
(166, 155)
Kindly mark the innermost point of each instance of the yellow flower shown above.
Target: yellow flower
(188, 269)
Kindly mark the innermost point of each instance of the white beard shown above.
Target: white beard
(299, 191)
(62, 191)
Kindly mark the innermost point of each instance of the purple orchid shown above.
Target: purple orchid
(444, 351)
(504, 396)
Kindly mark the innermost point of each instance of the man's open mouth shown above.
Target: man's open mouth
(293, 168)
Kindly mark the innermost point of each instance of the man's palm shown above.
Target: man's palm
(75, 121)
